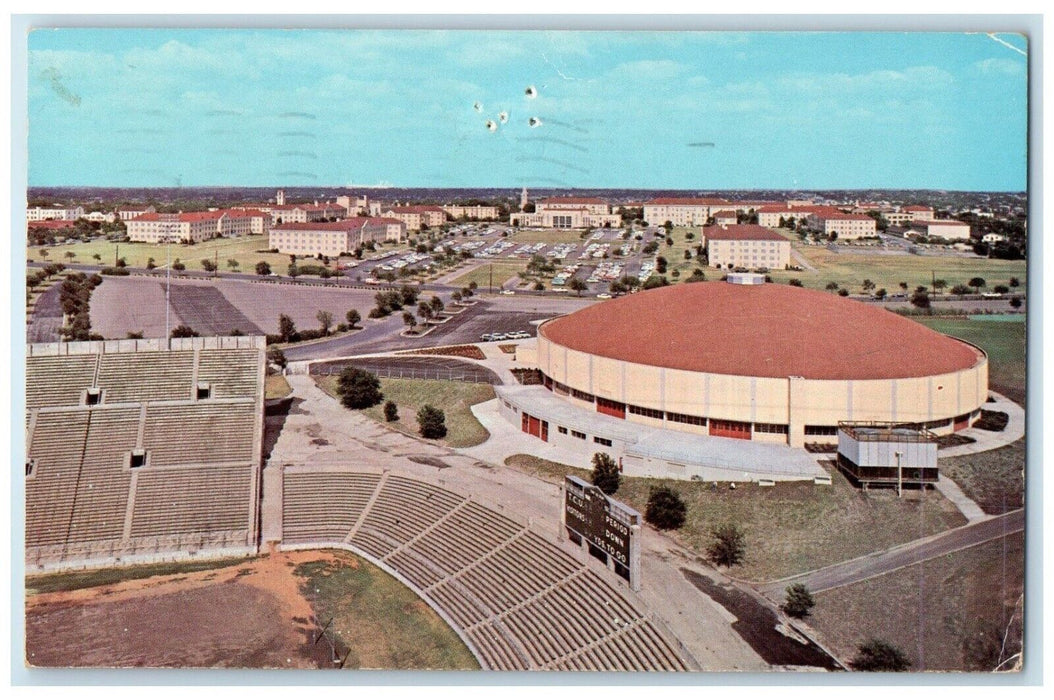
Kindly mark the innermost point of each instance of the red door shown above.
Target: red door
(534, 426)
(730, 429)
(545, 430)
(611, 408)
(525, 422)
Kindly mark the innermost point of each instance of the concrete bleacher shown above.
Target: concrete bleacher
(519, 600)
(196, 488)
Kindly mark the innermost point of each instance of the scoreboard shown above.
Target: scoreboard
(610, 529)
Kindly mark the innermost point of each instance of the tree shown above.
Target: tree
(98, 257)
(831, 286)
(44, 253)
(286, 328)
(437, 305)
(177, 266)
(903, 286)
(263, 268)
(325, 320)
(121, 262)
(727, 545)
(689, 236)
(183, 331)
(1015, 302)
(920, 300)
(456, 296)
(938, 285)
(232, 264)
(843, 292)
(605, 473)
(881, 293)
(976, 283)
(410, 320)
(794, 282)
(424, 310)
(391, 412)
(353, 317)
(868, 285)
(1015, 282)
(70, 255)
(432, 422)
(660, 265)
(358, 388)
(293, 271)
(207, 265)
(276, 356)
(150, 263)
(876, 655)
(799, 601)
(577, 286)
(960, 289)
(665, 509)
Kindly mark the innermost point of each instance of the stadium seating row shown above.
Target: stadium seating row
(522, 601)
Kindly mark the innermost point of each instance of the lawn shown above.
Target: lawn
(76, 580)
(382, 623)
(550, 236)
(244, 250)
(791, 527)
(994, 479)
(1004, 341)
(276, 387)
(850, 269)
(454, 398)
(948, 613)
(482, 275)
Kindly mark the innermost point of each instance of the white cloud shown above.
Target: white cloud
(1004, 66)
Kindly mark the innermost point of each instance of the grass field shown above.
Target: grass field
(949, 613)
(454, 398)
(850, 269)
(76, 580)
(503, 271)
(550, 236)
(383, 624)
(994, 479)
(791, 527)
(276, 387)
(1003, 341)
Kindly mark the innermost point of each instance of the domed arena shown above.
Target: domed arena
(762, 362)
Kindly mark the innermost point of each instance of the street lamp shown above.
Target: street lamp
(900, 480)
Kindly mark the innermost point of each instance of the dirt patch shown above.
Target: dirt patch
(249, 615)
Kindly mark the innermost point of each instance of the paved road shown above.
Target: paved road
(871, 565)
(46, 320)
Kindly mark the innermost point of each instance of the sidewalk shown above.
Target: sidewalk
(986, 439)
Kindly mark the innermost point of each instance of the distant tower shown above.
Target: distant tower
(279, 198)
(523, 199)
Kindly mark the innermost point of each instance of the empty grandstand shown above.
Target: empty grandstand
(517, 599)
(142, 449)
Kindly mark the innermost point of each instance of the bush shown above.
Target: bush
(727, 546)
(606, 476)
(183, 331)
(178, 266)
(359, 388)
(665, 510)
(799, 601)
(391, 412)
(276, 356)
(115, 271)
(432, 422)
(263, 268)
(876, 655)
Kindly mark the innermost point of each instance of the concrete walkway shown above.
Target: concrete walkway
(967, 506)
(986, 439)
(506, 440)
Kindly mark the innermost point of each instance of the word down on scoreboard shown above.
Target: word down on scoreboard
(610, 530)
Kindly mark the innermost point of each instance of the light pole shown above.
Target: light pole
(900, 481)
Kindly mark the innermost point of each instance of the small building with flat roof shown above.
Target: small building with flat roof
(898, 454)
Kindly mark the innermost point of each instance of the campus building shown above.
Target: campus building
(682, 211)
(763, 362)
(54, 213)
(332, 238)
(301, 213)
(845, 227)
(771, 215)
(475, 212)
(189, 227)
(568, 212)
(129, 213)
(417, 216)
(948, 229)
(746, 245)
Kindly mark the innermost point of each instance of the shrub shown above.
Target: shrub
(727, 545)
(799, 601)
(359, 388)
(391, 412)
(605, 473)
(276, 356)
(183, 331)
(263, 268)
(876, 655)
(432, 422)
(665, 510)
(115, 271)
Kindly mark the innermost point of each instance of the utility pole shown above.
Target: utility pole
(900, 479)
(116, 252)
(492, 278)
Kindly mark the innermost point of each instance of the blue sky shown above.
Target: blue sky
(720, 110)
